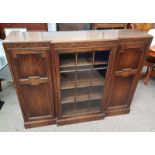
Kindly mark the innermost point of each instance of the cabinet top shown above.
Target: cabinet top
(75, 36)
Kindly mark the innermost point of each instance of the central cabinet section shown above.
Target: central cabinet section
(83, 76)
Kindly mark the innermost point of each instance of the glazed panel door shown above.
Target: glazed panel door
(84, 76)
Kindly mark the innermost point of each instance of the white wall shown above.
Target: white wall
(51, 27)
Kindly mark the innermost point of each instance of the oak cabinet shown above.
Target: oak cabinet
(69, 77)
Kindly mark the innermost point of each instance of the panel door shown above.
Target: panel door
(121, 88)
(126, 73)
(83, 81)
(32, 71)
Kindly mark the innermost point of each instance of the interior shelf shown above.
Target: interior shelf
(69, 82)
(88, 68)
(70, 65)
(81, 108)
(80, 62)
(83, 95)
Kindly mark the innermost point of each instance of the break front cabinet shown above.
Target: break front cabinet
(69, 77)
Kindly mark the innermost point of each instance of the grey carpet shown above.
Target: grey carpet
(141, 117)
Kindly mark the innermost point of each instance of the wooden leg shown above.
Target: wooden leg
(149, 72)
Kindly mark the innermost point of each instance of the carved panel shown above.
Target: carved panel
(36, 80)
(37, 59)
(120, 90)
(129, 56)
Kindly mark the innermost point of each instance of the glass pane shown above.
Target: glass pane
(101, 56)
(100, 60)
(68, 109)
(82, 94)
(67, 80)
(67, 63)
(96, 92)
(82, 77)
(81, 107)
(98, 77)
(68, 96)
(95, 106)
(84, 61)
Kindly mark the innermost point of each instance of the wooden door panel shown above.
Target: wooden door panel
(34, 61)
(129, 59)
(37, 100)
(120, 90)
(31, 64)
(129, 56)
(83, 81)
(32, 71)
(127, 67)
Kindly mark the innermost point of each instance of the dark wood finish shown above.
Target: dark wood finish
(81, 119)
(45, 52)
(31, 72)
(71, 26)
(99, 26)
(129, 62)
(84, 96)
(145, 27)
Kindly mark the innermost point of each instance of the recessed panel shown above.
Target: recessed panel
(37, 100)
(129, 58)
(37, 63)
(120, 91)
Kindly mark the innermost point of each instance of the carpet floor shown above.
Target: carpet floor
(141, 117)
